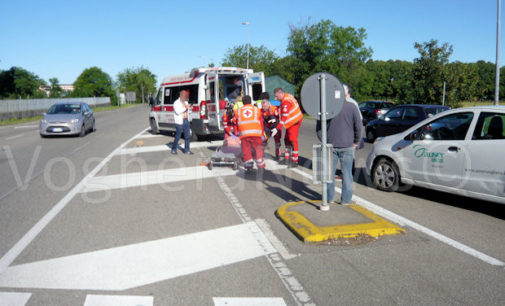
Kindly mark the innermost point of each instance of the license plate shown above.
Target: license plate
(56, 130)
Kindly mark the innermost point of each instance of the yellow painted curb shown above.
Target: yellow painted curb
(309, 232)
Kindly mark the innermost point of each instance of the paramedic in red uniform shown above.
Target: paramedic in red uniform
(291, 118)
(271, 120)
(249, 123)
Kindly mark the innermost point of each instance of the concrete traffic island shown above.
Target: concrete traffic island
(312, 225)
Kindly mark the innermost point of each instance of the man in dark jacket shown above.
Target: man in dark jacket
(344, 134)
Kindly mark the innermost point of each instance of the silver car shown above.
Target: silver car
(459, 151)
(68, 118)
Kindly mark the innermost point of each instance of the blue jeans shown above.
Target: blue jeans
(179, 129)
(346, 156)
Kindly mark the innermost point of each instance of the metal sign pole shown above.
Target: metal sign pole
(324, 153)
(323, 98)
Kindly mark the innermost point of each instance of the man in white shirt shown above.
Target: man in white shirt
(181, 113)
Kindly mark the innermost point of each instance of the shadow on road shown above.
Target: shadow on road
(489, 208)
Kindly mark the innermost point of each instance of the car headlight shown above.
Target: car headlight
(378, 139)
(74, 121)
(43, 121)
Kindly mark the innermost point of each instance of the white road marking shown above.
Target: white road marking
(14, 137)
(118, 300)
(406, 222)
(278, 245)
(158, 148)
(151, 136)
(11, 255)
(27, 126)
(143, 263)
(137, 179)
(286, 276)
(248, 301)
(14, 298)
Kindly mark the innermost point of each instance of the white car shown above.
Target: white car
(460, 151)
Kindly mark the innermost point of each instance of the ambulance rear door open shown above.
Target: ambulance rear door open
(256, 84)
(212, 99)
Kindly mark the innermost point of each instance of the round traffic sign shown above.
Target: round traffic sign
(311, 95)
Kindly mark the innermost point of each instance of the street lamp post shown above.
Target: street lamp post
(497, 73)
(248, 24)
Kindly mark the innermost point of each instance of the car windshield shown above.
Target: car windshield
(64, 109)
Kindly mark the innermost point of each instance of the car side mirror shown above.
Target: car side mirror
(43, 114)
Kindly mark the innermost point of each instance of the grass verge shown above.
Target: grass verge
(13, 121)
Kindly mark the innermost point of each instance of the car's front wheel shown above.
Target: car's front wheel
(154, 127)
(82, 133)
(194, 137)
(370, 135)
(385, 175)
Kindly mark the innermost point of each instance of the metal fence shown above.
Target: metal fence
(33, 107)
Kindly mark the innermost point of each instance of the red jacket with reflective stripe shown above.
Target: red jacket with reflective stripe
(290, 113)
(249, 121)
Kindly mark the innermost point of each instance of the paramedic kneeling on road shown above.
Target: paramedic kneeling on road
(291, 118)
(249, 122)
(270, 120)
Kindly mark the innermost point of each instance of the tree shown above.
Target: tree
(283, 67)
(326, 47)
(260, 58)
(20, 83)
(485, 79)
(140, 80)
(430, 71)
(401, 80)
(56, 90)
(93, 82)
(461, 83)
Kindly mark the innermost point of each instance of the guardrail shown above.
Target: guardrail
(34, 107)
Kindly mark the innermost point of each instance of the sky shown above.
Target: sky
(62, 38)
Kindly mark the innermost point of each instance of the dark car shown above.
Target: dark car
(371, 110)
(400, 118)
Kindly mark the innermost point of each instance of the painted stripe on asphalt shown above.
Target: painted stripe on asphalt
(140, 264)
(138, 179)
(151, 136)
(158, 148)
(11, 255)
(287, 278)
(118, 300)
(278, 245)
(248, 301)
(26, 126)
(406, 222)
(14, 298)
(14, 137)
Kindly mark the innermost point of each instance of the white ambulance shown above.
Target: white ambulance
(210, 89)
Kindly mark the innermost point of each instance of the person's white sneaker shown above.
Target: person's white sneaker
(324, 207)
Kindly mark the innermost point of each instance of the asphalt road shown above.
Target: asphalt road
(113, 218)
